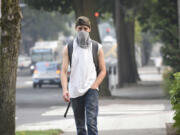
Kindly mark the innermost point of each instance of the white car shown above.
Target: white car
(46, 73)
(24, 62)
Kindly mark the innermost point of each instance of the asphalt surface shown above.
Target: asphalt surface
(31, 103)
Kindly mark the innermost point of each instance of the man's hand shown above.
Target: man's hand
(66, 96)
(94, 86)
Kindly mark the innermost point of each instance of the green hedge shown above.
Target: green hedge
(167, 80)
(175, 99)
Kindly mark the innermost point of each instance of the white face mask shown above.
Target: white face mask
(83, 39)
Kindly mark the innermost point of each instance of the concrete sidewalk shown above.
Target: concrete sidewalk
(129, 132)
(141, 90)
(131, 117)
(140, 109)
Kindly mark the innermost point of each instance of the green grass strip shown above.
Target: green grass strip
(40, 132)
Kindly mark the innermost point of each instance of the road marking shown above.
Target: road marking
(23, 84)
(110, 109)
(29, 82)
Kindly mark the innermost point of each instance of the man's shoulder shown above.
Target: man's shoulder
(70, 42)
(94, 42)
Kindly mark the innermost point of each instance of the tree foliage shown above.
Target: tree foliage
(63, 6)
(175, 99)
(160, 17)
(40, 24)
(45, 25)
(80, 7)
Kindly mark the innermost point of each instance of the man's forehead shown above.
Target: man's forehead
(82, 26)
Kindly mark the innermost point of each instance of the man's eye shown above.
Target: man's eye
(85, 29)
(80, 28)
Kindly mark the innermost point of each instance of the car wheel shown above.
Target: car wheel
(40, 85)
(60, 86)
(34, 85)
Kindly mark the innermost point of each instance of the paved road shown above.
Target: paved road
(31, 103)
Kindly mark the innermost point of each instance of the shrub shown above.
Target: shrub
(167, 80)
(175, 99)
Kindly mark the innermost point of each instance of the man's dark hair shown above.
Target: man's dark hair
(82, 20)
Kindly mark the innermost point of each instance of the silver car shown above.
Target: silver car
(24, 62)
(46, 73)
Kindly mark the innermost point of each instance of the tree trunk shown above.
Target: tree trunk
(119, 28)
(127, 69)
(88, 8)
(133, 73)
(104, 88)
(11, 20)
(178, 3)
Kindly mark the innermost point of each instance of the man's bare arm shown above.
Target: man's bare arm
(102, 68)
(64, 80)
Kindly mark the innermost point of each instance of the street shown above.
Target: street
(131, 111)
(31, 103)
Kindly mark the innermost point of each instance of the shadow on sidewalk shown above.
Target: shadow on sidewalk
(141, 90)
(150, 86)
(160, 131)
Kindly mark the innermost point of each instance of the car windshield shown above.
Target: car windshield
(43, 67)
(42, 57)
(21, 58)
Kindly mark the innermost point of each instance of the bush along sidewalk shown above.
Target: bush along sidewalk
(175, 100)
(167, 80)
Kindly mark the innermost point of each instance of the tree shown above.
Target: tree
(40, 24)
(162, 21)
(81, 7)
(10, 25)
(125, 12)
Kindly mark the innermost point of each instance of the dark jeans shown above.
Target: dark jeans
(85, 110)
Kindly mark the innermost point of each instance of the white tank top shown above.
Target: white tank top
(83, 71)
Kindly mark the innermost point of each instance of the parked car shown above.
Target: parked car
(24, 62)
(46, 73)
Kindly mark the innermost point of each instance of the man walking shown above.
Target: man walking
(87, 72)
